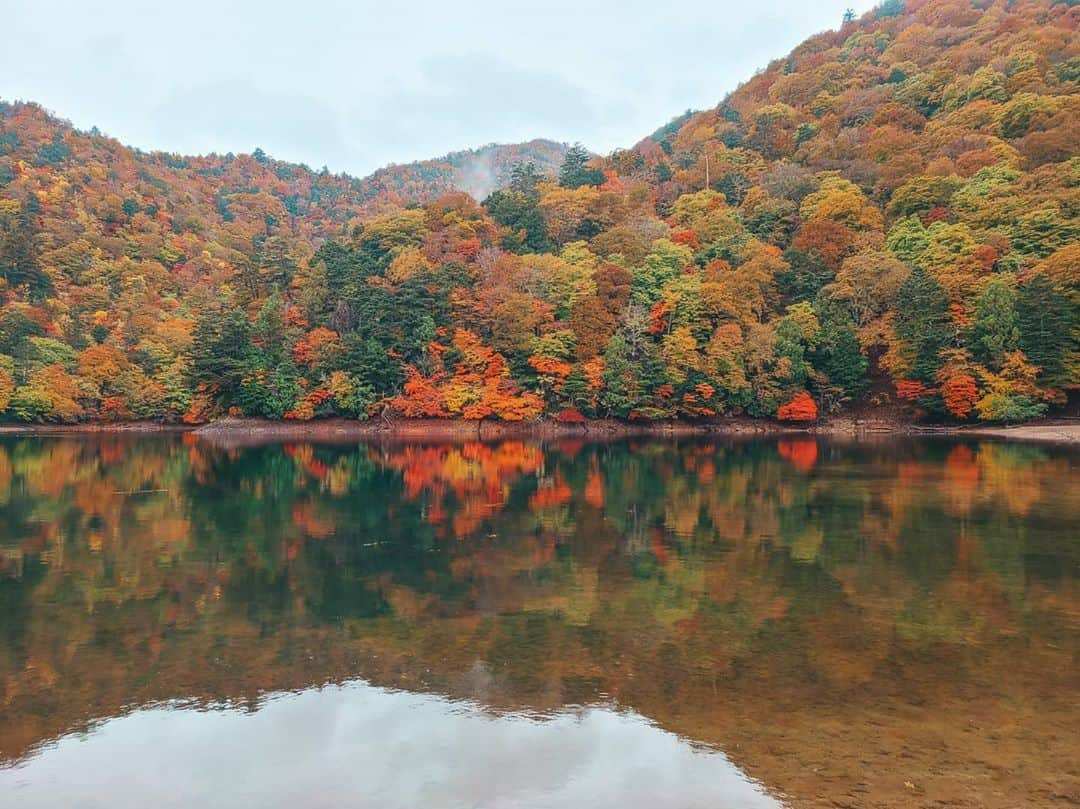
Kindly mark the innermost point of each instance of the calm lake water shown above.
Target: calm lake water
(632, 624)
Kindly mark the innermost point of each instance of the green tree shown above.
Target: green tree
(1046, 320)
(575, 171)
(220, 352)
(996, 329)
(369, 363)
(662, 265)
(19, 250)
(922, 324)
(796, 333)
(837, 353)
(518, 210)
(622, 391)
(908, 239)
(633, 372)
(890, 8)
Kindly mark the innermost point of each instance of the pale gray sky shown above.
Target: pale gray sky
(357, 84)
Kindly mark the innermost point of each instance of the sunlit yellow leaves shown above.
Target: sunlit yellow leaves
(7, 381)
(841, 201)
(406, 264)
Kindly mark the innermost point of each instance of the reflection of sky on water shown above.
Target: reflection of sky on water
(360, 746)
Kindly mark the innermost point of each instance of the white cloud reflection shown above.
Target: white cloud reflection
(360, 746)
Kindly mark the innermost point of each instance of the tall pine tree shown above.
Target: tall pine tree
(923, 324)
(575, 171)
(1046, 319)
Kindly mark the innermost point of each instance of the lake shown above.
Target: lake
(644, 623)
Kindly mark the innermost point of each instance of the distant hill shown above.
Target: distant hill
(475, 171)
(30, 134)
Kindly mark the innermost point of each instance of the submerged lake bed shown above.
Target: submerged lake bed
(786, 621)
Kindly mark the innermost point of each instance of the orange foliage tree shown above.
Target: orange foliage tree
(800, 408)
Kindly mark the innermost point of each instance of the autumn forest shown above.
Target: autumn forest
(886, 218)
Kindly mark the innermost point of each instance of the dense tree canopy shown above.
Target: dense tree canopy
(890, 209)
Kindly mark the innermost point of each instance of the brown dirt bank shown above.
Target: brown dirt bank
(133, 427)
(1063, 432)
(473, 430)
(245, 430)
(1052, 432)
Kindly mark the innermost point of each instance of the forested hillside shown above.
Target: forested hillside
(887, 215)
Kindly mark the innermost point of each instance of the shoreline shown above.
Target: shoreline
(1053, 431)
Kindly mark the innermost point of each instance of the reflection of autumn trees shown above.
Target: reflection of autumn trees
(470, 481)
(762, 596)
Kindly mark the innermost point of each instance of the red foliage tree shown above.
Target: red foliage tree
(960, 394)
(801, 408)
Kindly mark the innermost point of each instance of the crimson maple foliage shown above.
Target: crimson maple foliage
(801, 408)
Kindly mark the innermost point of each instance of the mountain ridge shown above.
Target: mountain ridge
(406, 182)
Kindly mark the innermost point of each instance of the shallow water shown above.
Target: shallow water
(644, 623)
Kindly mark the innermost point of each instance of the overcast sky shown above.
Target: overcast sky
(356, 84)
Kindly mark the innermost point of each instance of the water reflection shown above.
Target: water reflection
(890, 624)
(359, 746)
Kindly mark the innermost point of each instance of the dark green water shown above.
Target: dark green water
(650, 623)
